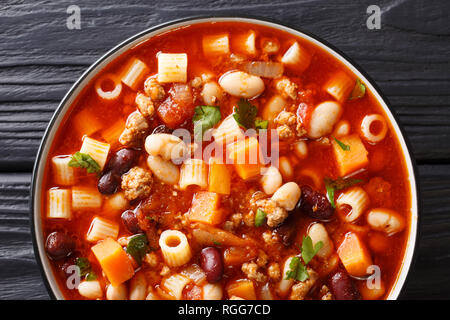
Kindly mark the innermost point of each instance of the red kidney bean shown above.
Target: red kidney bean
(59, 245)
(122, 161)
(162, 129)
(108, 183)
(211, 263)
(343, 287)
(288, 229)
(130, 221)
(315, 204)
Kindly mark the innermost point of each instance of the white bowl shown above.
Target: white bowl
(38, 172)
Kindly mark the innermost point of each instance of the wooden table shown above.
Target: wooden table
(40, 58)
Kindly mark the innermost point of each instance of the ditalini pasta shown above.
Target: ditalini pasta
(374, 128)
(224, 160)
(96, 149)
(356, 200)
(175, 248)
(172, 67)
(63, 174)
(101, 229)
(134, 73)
(59, 204)
(108, 87)
(86, 198)
(193, 172)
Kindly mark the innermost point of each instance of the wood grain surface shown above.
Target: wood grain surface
(40, 58)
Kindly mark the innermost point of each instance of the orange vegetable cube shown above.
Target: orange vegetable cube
(114, 261)
(354, 255)
(247, 157)
(243, 289)
(219, 177)
(374, 293)
(351, 160)
(205, 208)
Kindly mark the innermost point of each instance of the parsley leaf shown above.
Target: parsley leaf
(343, 146)
(138, 247)
(245, 114)
(261, 124)
(91, 276)
(85, 161)
(217, 243)
(338, 184)
(308, 250)
(205, 117)
(260, 217)
(85, 269)
(358, 91)
(297, 268)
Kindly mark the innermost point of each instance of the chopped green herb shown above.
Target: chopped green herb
(358, 91)
(297, 268)
(261, 124)
(205, 118)
(245, 114)
(342, 145)
(338, 184)
(85, 161)
(85, 269)
(138, 247)
(91, 276)
(217, 243)
(260, 217)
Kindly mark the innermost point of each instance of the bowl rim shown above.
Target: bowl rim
(414, 234)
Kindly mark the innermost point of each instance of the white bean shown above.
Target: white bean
(286, 168)
(273, 107)
(385, 220)
(212, 291)
(317, 232)
(164, 170)
(287, 195)
(138, 287)
(119, 292)
(211, 93)
(241, 84)
(342, 129)
(90, 289)
(271, 180)
(301, 149)
(167, 146)
(323, 118)
(285, 284)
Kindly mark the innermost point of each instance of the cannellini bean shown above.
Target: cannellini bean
(138, 287)
(286, 168)
(317, 232)
(241, 84)
(212, 291)
(342, 129)
(273, 107)
(285, 284)
(90, 289)
(385, 220)
(167, 146)
(323, 118)
(212, 93)
(271, 180)
(301, 149)
(164, 170)
(119, 292)
(287, 195)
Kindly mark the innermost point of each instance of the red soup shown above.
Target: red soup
(226, 161)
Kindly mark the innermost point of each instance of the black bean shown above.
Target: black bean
(59, 245)
(122, 161)
(211, 263)
(288, 229)
(343, 287)
(315, 204)
(130, 221)
(108, 183)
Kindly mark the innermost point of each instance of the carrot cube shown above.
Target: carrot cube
(219, 177)
(205, 208)
(243, 289)
(351, 160)
(354, 255)
(114, 261)
(247, 157)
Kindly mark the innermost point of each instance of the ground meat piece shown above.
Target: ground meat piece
(270, 46)
(325, 293)
(153, 89)
(165, 270)
(270, 238)
(251, 270)
(288, 125)
(151, 259)
(262, 259)
(137, 183)
(273, 271)
(145, 105)
(286, 88)
(196, 82)
(135, 129)
(301, 289)
(275, 214)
